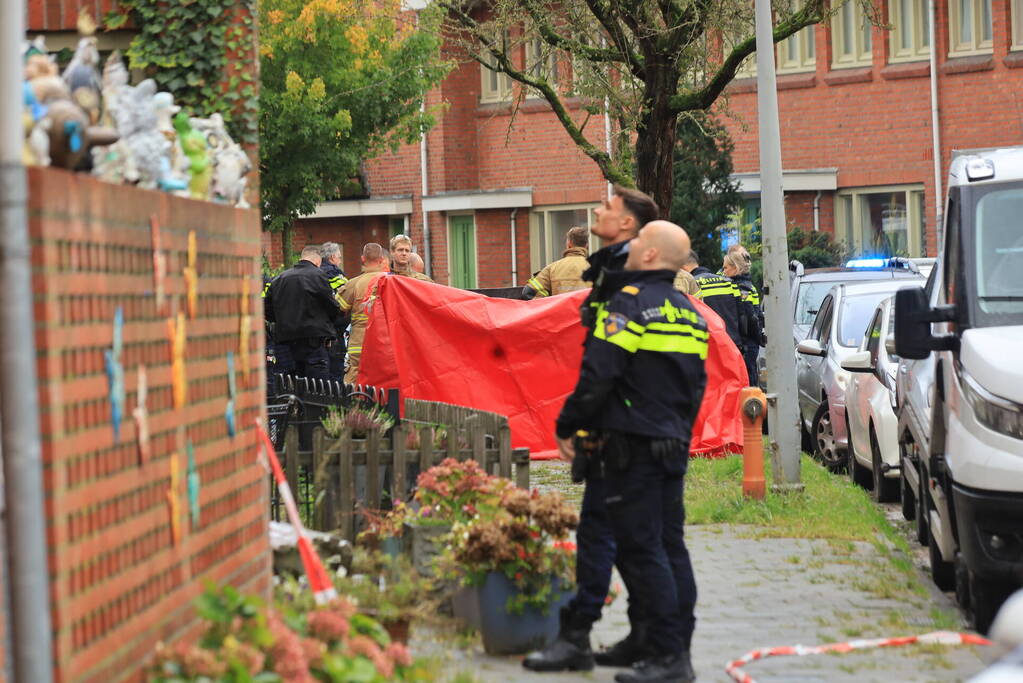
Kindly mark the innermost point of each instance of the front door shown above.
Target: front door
(462, 248)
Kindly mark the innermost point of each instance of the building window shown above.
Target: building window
(1017, 24)
(851, 41)
(395, 225)
(910, 34)
(881, 221)
(969, 27)
(797, 53)
(548, 227)
(541, 60)
(495, 86)
(462, 251)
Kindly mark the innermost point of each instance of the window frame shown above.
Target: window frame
(848, 228)
(538, 237)
(957, 48)
(804, 41)
(502, 91)
(862, 54)
(1016, 38)
(920, 31)
(552, 75)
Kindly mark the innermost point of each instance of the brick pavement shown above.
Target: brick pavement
(764, 592)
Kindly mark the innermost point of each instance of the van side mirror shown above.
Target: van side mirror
(858, 361)
(913, 318)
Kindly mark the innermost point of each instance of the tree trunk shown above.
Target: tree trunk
(655, 139)
(287, 251)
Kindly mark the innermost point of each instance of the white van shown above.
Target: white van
(971, 467)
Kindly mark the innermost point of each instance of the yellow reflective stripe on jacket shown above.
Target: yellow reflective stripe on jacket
(534, 284)
(656, 336)
(345, 306)
(354, 349)
(266, 288)
(337, 282)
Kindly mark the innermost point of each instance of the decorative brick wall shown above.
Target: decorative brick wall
(120, 580)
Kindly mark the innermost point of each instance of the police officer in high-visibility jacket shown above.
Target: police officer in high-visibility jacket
(618, 220)
(330, 252)
(751, 322)
(640, 387)
(720, 293)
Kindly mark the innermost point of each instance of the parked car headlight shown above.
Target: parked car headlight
(994, 412)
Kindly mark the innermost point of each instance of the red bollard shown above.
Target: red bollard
(753, 406)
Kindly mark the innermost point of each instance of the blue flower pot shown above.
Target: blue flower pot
(515, 634)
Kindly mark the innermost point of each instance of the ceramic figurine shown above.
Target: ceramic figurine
(39, 143)
(42, 74)
(68, 141)
(115, 77)
(142, 154)
(193, 144)
(230, 162)
(82, 78)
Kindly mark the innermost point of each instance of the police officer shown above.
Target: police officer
(330, 253)
(751, 322)
(305, 314)
(565, 274)
(720, 293)
(641, 384)
(618, 221)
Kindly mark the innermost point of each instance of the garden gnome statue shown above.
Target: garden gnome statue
(115, 77)
(230, 163)
(193, 144)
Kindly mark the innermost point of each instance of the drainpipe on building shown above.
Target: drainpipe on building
(939, 199)
(514, 254)
(27, 600)
(607, 138)
(425, 188)
(817, 212)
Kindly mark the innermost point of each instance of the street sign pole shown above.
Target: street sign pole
(783, 414)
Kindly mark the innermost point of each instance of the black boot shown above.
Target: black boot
(570, 652)
(625, 652)
(665, 669)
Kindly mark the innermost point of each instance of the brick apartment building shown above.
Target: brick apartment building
(855, 106)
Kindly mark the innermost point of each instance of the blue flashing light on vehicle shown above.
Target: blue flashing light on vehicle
(867, 263)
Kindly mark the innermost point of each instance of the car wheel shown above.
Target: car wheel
(923, 526)
(886, 490)
(905, 491)
(986, 597)
(824, 448)
(942, 573)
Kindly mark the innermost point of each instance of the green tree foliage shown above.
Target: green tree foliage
(342, 81)
(705, 196)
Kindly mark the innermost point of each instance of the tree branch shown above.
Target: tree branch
(808, 15)
(576, 47)
(504, 65)
(617, 35)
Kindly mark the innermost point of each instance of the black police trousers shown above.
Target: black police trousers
(595, 553)
(644, 500)
(310, 358)
(749, 355)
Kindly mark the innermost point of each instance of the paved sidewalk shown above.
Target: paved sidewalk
(766, 592)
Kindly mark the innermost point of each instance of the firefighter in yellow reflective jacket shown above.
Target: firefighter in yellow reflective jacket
(357, 296)
(565, 274)
(401, 259)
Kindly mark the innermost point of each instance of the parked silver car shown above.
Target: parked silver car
(836, 332)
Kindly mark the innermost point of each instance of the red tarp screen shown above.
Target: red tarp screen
(516, 358)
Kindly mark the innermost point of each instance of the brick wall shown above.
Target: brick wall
(874, 124)
(119, 582)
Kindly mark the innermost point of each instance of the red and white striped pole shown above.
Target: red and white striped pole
(319, 580)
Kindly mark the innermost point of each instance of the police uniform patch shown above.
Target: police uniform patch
(614, 324)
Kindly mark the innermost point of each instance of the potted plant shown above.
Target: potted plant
(446, 494)
(384, 529)
(386, 588)
(359, 418)
(517, 557)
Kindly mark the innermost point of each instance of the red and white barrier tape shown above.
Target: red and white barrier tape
(734, 668)
(319, 580)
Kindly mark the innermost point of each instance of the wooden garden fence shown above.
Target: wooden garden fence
(350, 473)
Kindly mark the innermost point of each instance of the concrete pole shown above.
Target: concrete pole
(28, 583)
(781, 372)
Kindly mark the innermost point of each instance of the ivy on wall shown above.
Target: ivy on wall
(185, 46)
